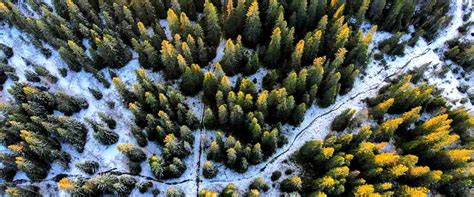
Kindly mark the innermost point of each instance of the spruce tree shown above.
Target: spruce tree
(273, 53)
(211, 24)
(134, 154)
(257, 154)
(381, 109)
(342, 120)
(209, 170)
(253, 26)
(192, 80)
(296, 56)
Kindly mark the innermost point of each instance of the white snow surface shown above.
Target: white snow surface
(315, 125)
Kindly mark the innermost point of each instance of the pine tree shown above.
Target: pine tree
(290, 83)
(297, 55)
(257, 154)
(362, 11)
(348, 75)
(287, 34)
(462, 121)
(73, 55)
(214, 152)
(234, 18)
(189, 8)
(134, 154)
(230, 190)
(229, 61)
(173, 22)
(156, 165)
(236, 115)
(253, 26)
(211, 24)
(342, 120)
(33, 169)
(272, 56)
(209, 119)
(272, 13)
(210, 86)
(148, 55)
(231, 157)
(298, 18)
(88, 166)
(387, 128)
(28, 190)
(144, 10)
(269, 141)
(224, 85)
(312, 40)
(298, 114)
(209, 170)
(102, 134)
(253, 64)
(174, 192)
(291, 184)
(254, 129)
(381, 109)
(376, 9)
(111, 51)
(192, 80)
(332, 88)
(169, 60)
(223, 114)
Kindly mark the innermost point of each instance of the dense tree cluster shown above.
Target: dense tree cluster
(461, 52)
(398, 15)
(161, 116)
(420, 147)
(33, 134)
(99, 185)
(255, 189)
(313, 51)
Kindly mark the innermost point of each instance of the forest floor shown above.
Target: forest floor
(315, 126)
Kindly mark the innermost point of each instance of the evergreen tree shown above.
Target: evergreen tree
(257, 154)
(291, 184)
(211, 24)
(297, 55)
(192, 80)
(33, 169)
(144, 10)
(88, 166)
(102, 134)
(272, 56)
(214, 152)
(209, 86)
(381, 109)
(298, 114)
(331, 83)
(133, 153)
(229, 61)
(169, 60)
(312, 40)
(111, 51)
(156, 165)
(209, 170)
(253, 26)
(234, 18)
(343, 120)
(269, 141)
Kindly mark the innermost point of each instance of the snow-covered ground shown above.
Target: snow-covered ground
(315, 125)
